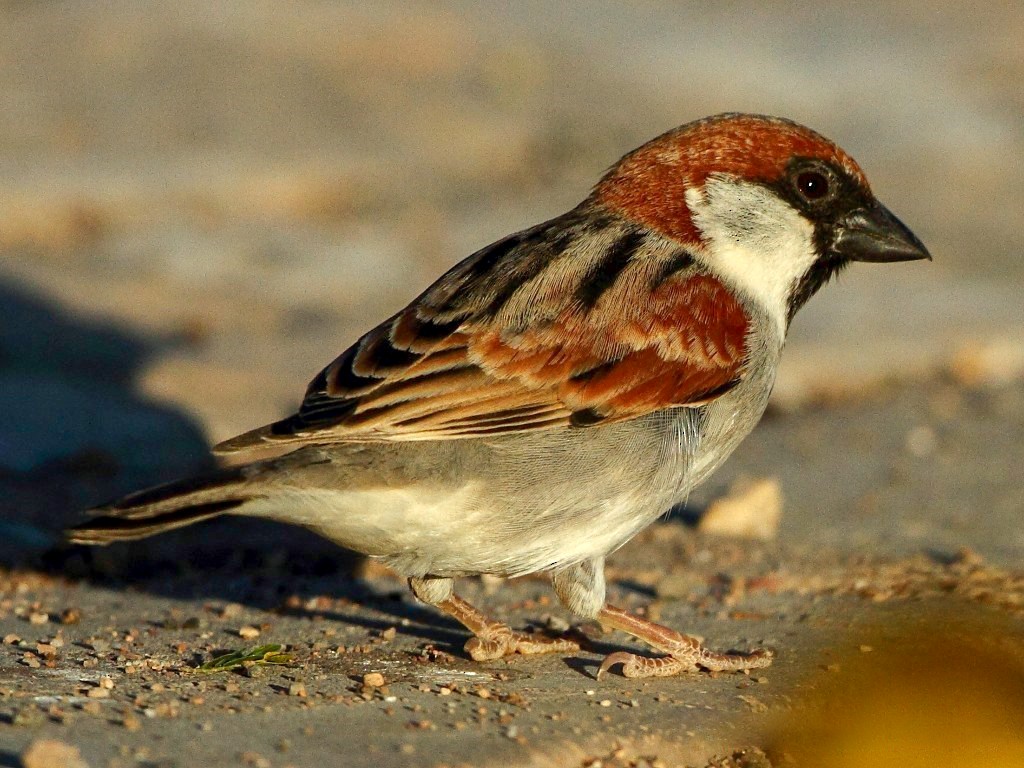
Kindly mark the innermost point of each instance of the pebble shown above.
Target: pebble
(248, 632)
(752, 509)
(373, 680)
(50, 753)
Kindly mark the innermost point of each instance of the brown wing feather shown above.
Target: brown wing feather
(520, 336)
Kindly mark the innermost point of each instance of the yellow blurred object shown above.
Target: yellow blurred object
(947, 690)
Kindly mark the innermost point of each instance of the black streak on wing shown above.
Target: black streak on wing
(430, 330)
(492, 254)
(541, 245)
(597, 370)
(586, 418)
(381, 355)
(603, 277)
(682, 259)
(343, 379)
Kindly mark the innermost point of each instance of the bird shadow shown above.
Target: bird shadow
(76, 431)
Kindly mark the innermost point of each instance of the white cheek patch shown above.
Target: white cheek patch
(754, 239)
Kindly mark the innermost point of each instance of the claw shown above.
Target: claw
(620, 657)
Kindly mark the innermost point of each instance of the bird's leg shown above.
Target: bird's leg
(685, 653)
(581, 589)
(491, 639)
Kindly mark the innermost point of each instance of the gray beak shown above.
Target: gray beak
(874, 234)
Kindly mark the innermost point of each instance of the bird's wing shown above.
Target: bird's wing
(583, 320)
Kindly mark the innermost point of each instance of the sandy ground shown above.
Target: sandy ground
(200, 206)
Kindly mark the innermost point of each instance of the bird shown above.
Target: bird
(556, 392)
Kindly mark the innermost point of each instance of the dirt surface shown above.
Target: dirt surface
(200, 207)
(110, 664)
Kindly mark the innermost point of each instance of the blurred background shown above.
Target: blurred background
(202, 204)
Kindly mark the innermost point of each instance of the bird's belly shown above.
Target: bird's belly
(477, 526)
(504, 506)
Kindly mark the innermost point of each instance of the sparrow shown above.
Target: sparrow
(557, 391)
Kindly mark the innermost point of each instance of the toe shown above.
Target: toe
(735, 662)
(531, 644)
(485, 650)
(634, 666)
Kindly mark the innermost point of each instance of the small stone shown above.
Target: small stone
(106, 682)
(373, 680)
(38, 617)
(297, 689)
(389, 633)
(248, 632)
(50, 753)
(46, 649)
(98, 693)
(131, 723)
(606, 702)
(70, 616)
(752, 509)
(11, 639)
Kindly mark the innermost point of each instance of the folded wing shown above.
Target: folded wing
(579, 321)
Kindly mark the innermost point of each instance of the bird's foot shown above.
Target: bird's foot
(494, 640)
(673, 664)
(502, 641)
(685, 653)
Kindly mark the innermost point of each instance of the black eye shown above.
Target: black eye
(813, 185)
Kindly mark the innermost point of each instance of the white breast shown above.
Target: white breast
(754, 239)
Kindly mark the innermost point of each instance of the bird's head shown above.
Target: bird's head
(769, 206)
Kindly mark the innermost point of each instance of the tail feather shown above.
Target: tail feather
(164, 508)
